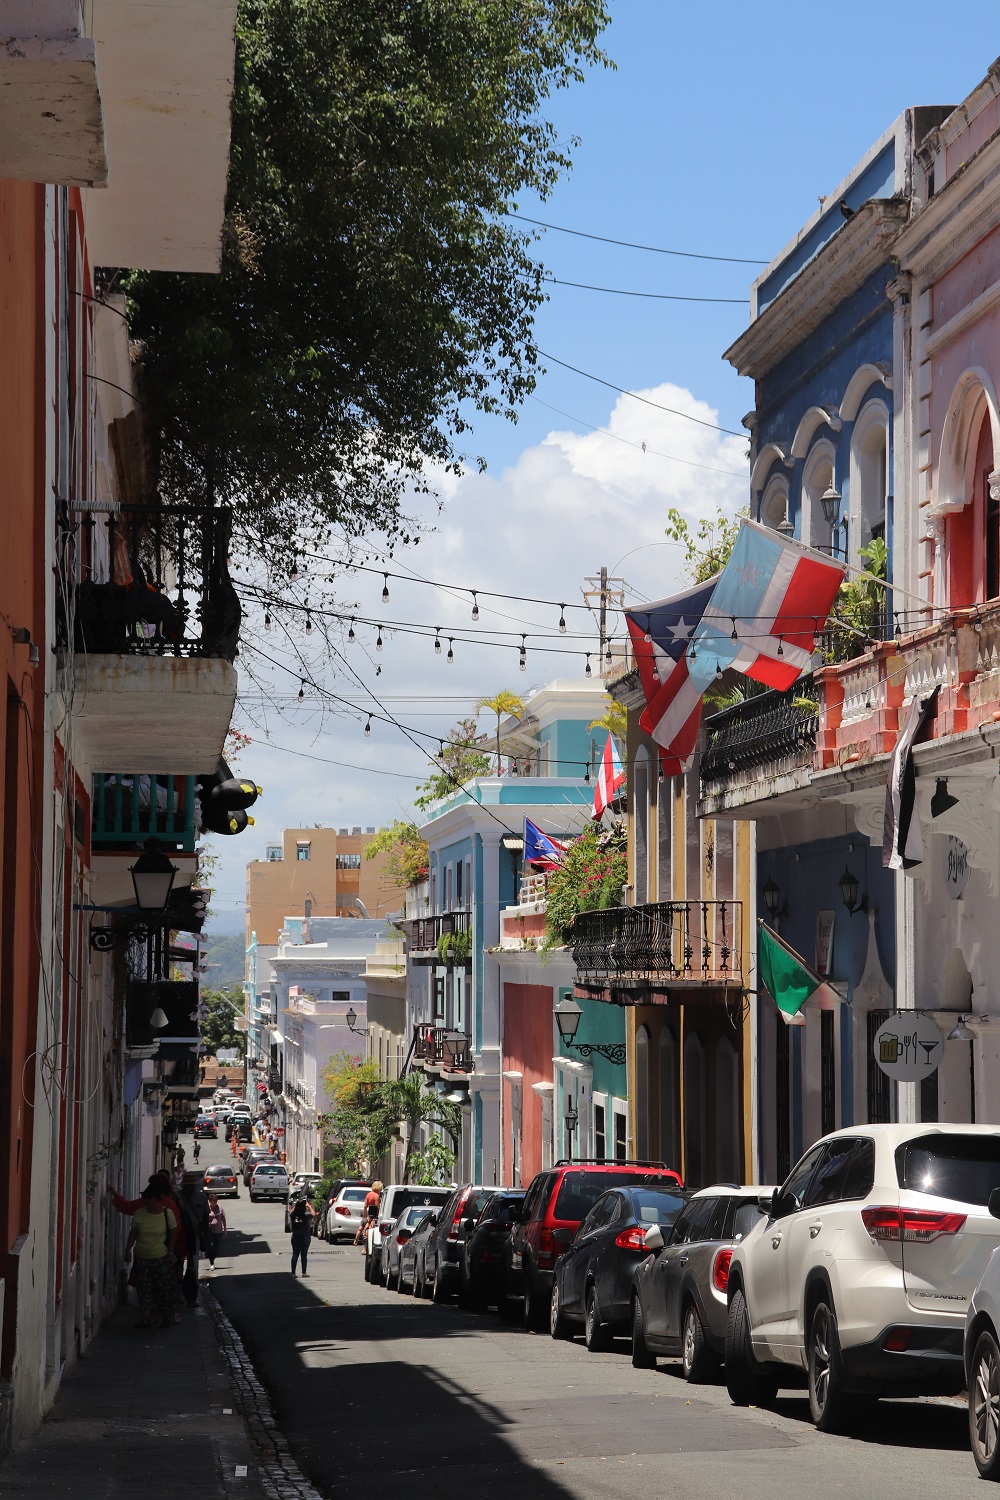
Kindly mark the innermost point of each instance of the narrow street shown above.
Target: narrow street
(367, 1383)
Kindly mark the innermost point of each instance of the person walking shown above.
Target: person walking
(301, 1217)
(216, 1228)
(152, 1238)
(196, 1151)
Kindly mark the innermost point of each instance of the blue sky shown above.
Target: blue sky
(717, 132)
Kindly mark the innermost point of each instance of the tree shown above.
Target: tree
(504, 702)
(614, 719)
(706, 551)
(409, 857)
(218, 1022)
(372, 291)
(463, 761)
(367, 1111)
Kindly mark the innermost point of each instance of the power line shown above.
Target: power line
(734, 260)
(672, 411)
(643, 447)
(618, 291)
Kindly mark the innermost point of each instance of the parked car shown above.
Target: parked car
(251, 1158)
(412, 1272)
(561, 1197)
(859, 1279)
(592, 1285)
(268, 1180)
(483, 1278)
(330, 1198)
(400, 1231)
(345, 1213)
(679, 1303)
(443, 1252)
(301, 1185)
(982, 1362)
(222, 1180)
(395, 1198)
(205, 1126)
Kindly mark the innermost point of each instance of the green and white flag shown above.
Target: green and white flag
(787, 978)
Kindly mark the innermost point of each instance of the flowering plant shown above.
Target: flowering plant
(590, 878)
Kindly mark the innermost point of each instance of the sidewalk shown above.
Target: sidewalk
(142, 1413)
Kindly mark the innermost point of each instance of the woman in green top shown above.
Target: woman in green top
(152, 1236)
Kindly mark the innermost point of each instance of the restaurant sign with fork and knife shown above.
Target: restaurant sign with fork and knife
(908, 1046)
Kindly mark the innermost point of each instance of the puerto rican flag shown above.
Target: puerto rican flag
(771, 598)
(660, 636)
(610, 778)
(541, 850)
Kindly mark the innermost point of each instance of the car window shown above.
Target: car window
(827, 1182)
(271, 1172)
(579, 1191)
(475, 1203)
(746, 1216)
(860, 1178)
(655, 1205)
(796, 1185)
(508, 1211)
(593, 1221)
(965, 1168)
(354, 1195)
(701, 1220)
(687, 1225)
(536, 1195)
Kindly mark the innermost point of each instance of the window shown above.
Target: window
(795, 1187)
(459, 884)
(879, 1095)
(348, 861)
(691, 1224)
(438, 993)
(774, 503)
(273, 853)
(447, 887)
(860, 1177)
(817, 477)
(301, 851)
(827, 1185)
(600, 1132)
(621, 1140)
(664, 834)
(746, 1217)
(869, 472)
(642, 1093)
(600, 1215)
(965, 1168)
(827, 1074)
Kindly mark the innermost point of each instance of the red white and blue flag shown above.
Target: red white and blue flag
(660, 635)
(540, 850)
(610, 778)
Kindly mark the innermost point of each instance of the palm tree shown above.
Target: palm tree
(410, 1104)
(614, 719)
(504, 702)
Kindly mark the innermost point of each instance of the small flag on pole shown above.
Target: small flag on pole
(540, 850)
(785, 975)
(610, 778)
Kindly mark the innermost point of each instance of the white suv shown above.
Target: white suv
(858, 1280)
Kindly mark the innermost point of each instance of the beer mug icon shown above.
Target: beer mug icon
(889, 1050)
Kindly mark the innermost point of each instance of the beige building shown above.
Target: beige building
(318, 872)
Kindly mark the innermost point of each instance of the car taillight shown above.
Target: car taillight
(631, 1239)
(546, 1249)
(342, 1208)
(720, 1270)
(385, 1226)
(402, 1237)
(913, 1225)
(456, 1220)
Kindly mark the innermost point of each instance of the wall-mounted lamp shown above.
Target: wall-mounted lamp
(350, 1018)
(960, 1032)
(455, 1044)
(22, 637)
(153, 879)
(568, 1015)
(830, 501)
(849, 888)
(771, 893)
(942, 798)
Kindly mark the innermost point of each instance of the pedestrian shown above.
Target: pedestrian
(196, 1151)
(301, 1217)
(216, 1228)
(233, 1142)
(194, 1207)
(152, 1238)
(369, 1212)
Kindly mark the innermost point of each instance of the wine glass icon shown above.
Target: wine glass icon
(928, 1047)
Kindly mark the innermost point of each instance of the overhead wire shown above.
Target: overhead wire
(583, 234)
(633, 395)
(618, 291)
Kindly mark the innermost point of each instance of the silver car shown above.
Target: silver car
(269, 1180)
(399, 1232)
(679, 1292)
(343, 1219)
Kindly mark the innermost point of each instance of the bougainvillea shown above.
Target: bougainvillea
(590, 878)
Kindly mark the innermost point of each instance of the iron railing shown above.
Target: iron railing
(148, 581)
(429, 1047)
(769, 728)
(663, 941)
(129, 808)
(422, 933)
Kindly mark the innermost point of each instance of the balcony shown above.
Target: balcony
(128, 808)
(51, 114)
(665, 945)
(759, 749)
(522, 927)
(431, 1054)
(424, 934)
(150, 628)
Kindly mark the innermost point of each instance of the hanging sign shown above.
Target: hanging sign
(956, 876)
(908, 1046)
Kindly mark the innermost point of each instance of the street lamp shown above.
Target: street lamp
(454, 1043)
(830, 501)
(570, 1120)
(568, 1014)
(771, 893)
(849, 887)
(152, 878)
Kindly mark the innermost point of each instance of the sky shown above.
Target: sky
(717, 132)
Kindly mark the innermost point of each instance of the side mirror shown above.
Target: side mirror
(470, 1224)
(432, 1219)
(781, 1204)
(994, 1203)
(653, 1238)
(563, 1236)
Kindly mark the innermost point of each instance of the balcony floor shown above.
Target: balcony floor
(169, 714)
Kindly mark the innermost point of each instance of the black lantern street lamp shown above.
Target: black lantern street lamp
(454, 1043)
(568, 1014)
(830, 501)
(771, 893)
(350, 1018)
(849, 887)
(570, 1120)
(153, 878)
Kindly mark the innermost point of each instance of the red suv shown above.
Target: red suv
(554, 1206)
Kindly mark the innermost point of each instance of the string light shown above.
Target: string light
(437, 641)
(586, 774)
(294, 571)
(385, 588)
(735, 635)
(587, 670)
(718, 669)
(781, 645)
(475, 606)
(451, 653)
(608, 659)
(523, 662)
(302, 688)
(368, 726)
(441, 751)
(378, 640)
(562, 619)
(350, 634)
(692, 653)
(647, 636)
(309, 623)
(267, 620)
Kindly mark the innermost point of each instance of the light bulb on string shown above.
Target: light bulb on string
(293, 571)
(608, 658)
(309, 623)
(302, 688)
(648, 635)
(451, 653)
(475, 606)
(368, 726)
(378, 640)
(718, 670)
(385, 588)
(267, 620)
(562, 619)
(350, 633)
(437, 641)
(441, 751)
(587, 672)
(586, 774)
(735, 634)
(523, 660)
(781, 646)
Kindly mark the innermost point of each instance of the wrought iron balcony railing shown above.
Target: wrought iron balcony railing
(423, 933)
(128, 808)
(429, 1047)
(771, 729)
(148, 581)
(666, 941)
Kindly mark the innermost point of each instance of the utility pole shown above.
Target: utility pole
(600, 595)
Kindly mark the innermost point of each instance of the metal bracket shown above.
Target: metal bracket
(613, 1051)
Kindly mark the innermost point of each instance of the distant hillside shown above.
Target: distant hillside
(228, 952)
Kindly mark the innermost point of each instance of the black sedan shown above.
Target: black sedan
(483, 1274)
(593, 1277)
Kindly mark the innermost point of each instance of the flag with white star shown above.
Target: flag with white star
(660, 635)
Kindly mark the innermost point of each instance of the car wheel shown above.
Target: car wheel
(594, 1334)
(984, 1406)
(558, 1324)
(697, 1360)
(391, 1281)
(829, 1407)
(378, 1271)
(643, 1357)
(439, 1289)
(536, 1311)
(747, 1381)
(425, 1286)
(368, 1268)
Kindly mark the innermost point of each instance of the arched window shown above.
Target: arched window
(869, 476)
(973, 533)
(668, 1099)
(727, 1092)
(774, 502)
(817, 477)
(694, 1112)
(642, 1093)
(640, 825)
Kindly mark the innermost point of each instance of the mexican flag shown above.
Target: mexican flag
(787, 978)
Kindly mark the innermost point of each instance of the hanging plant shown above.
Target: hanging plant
(590, 878)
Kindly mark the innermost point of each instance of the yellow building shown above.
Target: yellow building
(320, 872)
